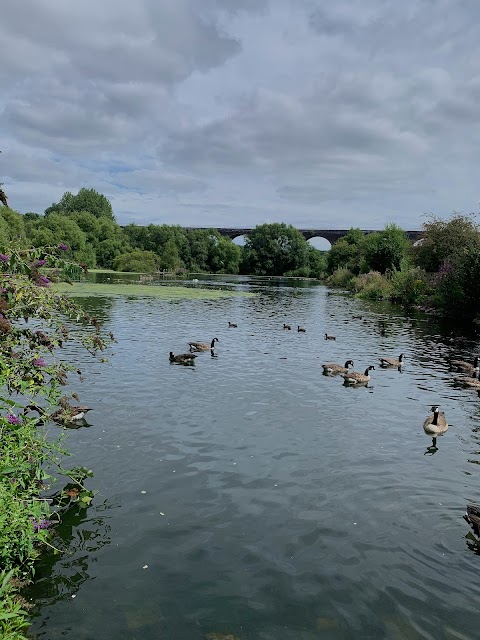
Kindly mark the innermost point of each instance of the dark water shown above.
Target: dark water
(251, 495)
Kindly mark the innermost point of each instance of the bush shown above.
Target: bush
(137, 261)
(372, 285)
(409, 286)
(341, 278)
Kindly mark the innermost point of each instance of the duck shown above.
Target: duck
(300, 329)
(334, 368)
(232, 325)
(436, 423)
(202, 346)
(327, 337)
(288, 327)
(472, 516)
(357, 317)
(462, 365)
(472, 382)
(353, 377)
(182, 358)
(391, 362)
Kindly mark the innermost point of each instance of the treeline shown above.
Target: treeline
(86, 224)
(441, 271)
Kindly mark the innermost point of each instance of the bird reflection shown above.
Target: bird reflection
(432, 449)
(213, 354)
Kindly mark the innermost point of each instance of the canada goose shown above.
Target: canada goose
(183, 358)
(472, 382)
(357, 317)
(462, 365)
(335, 368)
(300, 329)
(66, 414)
(202, 346)
(288, 327)
(472, 516)
(391, 362)
(232, 325)
(436, 423)
(353, 377)
(327, 337)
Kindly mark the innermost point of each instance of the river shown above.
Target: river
(251, 495)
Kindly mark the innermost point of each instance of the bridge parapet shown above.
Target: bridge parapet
(332, 235)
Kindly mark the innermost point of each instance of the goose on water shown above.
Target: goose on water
(391, 362)
(436, 424)
(353, 377)
(232, 325)
(202, 346)
(327, 337)
(334, 368)
(182, 358)
(300, 329)
(463, 365)
(473, 382)
(288, 327)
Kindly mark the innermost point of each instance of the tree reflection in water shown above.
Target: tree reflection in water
(78, 537)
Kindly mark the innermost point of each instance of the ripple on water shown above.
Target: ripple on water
(278, 503)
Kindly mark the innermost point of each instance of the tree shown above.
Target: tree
(274, 249)
(346, 253)
(11, 225)
(385, 250)
(85, 200)
(443, 240)
(137, 261)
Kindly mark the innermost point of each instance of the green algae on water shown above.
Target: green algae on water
(167, 292)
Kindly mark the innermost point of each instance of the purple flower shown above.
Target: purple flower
(43, 281)
(4, 257)
(39, 362)
(13, 419)
(43, 524)
(62, 246)
(41, 263)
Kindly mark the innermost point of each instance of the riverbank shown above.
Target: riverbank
(84, 289)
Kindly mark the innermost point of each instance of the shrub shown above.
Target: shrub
(372, 285)
(137, 261)
(341, 278)
(409, 286)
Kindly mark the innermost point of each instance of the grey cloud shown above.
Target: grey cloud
(243, 111)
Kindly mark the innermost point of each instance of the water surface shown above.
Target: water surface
(251, 495)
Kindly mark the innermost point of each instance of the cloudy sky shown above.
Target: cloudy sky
(238, 112)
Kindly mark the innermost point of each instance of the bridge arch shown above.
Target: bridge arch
(320, 242)
(240, 240)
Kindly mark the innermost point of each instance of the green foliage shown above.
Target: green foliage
(409, 285)
(13, 619)
(137, 261)
(372, 286)
(346, 253)
(317, 262)
(341, 278)
(32, 327)
(275, 249)
(85, 200)
(384, 250)
(443, 240)
(12, 225)
(458, 285)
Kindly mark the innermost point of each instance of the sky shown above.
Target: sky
(239, 112)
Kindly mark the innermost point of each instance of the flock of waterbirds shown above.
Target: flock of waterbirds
(435, 424)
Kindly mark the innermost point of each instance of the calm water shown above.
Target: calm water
(251, 495)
